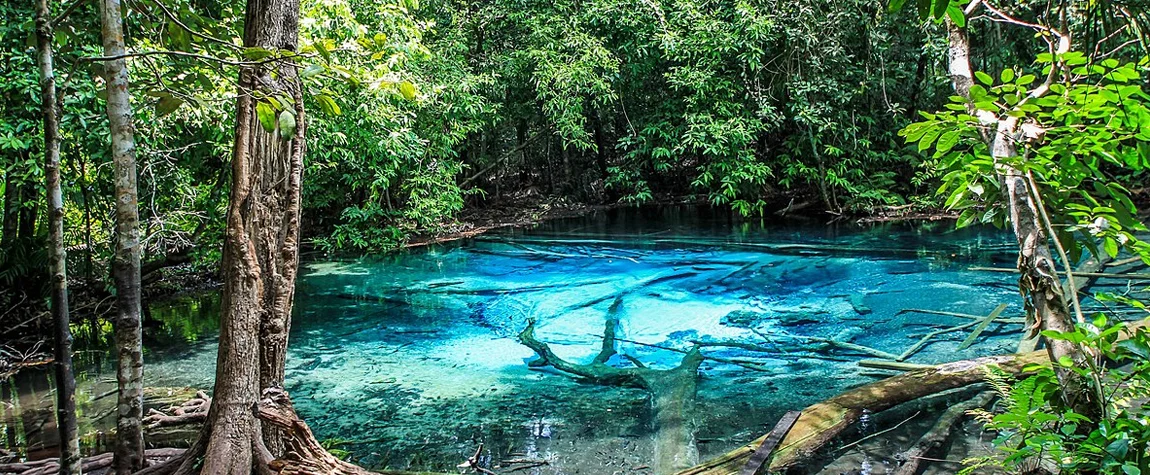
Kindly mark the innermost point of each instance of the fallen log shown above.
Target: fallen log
(824, 421)
(933, 439)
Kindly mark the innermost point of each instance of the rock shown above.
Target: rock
(790, 319)
(743, 319)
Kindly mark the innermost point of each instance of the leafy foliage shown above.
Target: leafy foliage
(1073, 141)
(1036, 429)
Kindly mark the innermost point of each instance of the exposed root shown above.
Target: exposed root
(194, 410)
(91, 465)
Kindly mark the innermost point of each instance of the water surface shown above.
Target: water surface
(411, 361)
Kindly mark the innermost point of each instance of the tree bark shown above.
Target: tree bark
(29, 211)
(822, 422)
(129, 448)
(65, 380)
(1040, 285)
(11, 209)
(261, 254)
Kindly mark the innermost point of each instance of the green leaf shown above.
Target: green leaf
(287, 125)
(947, 141)
(956, 15)
(167, 105)
(407, 89)
(327, 104)
(1111, 246)
(256, 53)
(267, 116)
(1007, 75)
(895, 5)
(984, 78)
(321, 48)
(311, 70)
(939, 8)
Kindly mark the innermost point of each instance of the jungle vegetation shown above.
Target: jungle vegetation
(229, 138)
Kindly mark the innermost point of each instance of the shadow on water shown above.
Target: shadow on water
(409, 360)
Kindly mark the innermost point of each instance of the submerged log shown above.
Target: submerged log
(672, 390)
(933, 439)
(822, 422)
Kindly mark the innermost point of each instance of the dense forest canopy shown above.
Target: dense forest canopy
(425, 110)
(244, 135)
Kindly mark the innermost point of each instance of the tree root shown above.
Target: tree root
(194, 410)
(90, 465)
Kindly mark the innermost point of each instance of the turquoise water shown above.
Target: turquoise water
(411, 361)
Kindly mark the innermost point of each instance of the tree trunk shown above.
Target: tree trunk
(261, 254)
(129, 448)
(1040, 285)
(65, 380)
(11, 209)
(600, 145)
(672, 390)
(29, 211)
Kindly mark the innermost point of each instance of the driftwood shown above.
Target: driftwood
(933, 439)
(982, 322)
(826, 420)
(672, 390)
(958, 315)
(838, 343)
(630, 288)
(93, 464)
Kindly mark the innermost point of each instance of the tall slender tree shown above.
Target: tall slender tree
(65, 379)
(261, 250)
(1047, 307)
(129, 448)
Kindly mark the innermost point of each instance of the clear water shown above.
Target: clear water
(410, 361)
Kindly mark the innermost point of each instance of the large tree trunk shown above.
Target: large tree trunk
(129, 449)
(260, 254)
(1046, 304)
(65, 380)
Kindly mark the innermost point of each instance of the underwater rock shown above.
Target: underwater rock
(743, 319)
(752, 319)
(791, 319)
